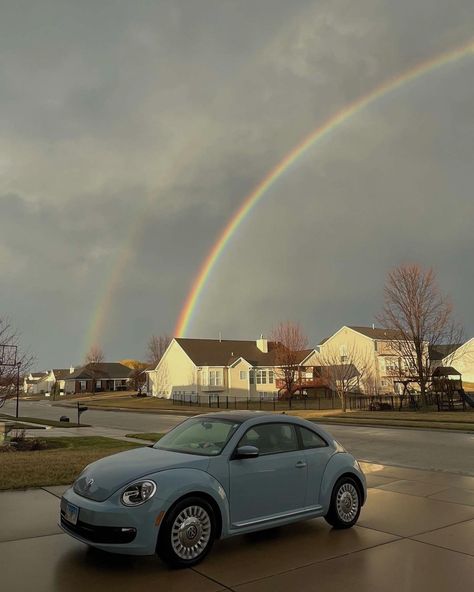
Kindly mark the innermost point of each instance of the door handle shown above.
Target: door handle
(300, 464)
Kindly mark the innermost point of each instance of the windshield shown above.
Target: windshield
(199, 435)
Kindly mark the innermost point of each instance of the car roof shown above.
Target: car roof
(239, 415)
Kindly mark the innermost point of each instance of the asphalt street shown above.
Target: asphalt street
(434, 450)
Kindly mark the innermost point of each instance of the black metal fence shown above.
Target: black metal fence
(354, 402)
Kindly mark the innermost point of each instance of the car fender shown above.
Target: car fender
(340, 464)
(174, 484)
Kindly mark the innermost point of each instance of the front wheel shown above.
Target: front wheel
(187, 533)
(345, 504)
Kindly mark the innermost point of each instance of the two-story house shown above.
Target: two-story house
(373, 351)
(239, 369)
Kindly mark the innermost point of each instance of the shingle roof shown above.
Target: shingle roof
(61, 373)
(377, 332)
(103, 370)
(215, 352)
(372, 332)
(439, 352)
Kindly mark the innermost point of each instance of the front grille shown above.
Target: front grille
(107, 535)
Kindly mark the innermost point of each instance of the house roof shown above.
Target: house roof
(38, 374)
(215, 352)
(371, 332)
(439, 352)
(61, 373)
(446, 371)
(103, 370)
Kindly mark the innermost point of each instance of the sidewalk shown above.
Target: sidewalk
(416, 532)
(116, 434)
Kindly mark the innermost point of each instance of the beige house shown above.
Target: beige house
(371, 351)
(460, 356)
(239, 369)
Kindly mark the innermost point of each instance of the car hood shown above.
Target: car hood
(113, 472)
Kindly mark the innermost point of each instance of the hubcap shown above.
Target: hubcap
(191, 532)
(347, 502)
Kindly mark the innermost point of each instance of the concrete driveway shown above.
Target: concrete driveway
(416, 532)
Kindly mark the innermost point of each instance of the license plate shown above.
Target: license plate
(71, 513)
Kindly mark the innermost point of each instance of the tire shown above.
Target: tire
(187, 533)
(345, 504)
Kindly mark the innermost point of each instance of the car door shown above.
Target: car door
(272, 483)
(317, 454)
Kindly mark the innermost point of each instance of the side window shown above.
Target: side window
(271, 438)
(310, 439)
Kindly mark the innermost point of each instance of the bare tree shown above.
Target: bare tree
(288, 343)
(156, 347)
(9, 336)
(95, 355)
(348, 372)
(421, 315)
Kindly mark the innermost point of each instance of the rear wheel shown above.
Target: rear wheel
(187, 533)
(345, 504)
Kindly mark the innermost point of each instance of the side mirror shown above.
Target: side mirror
(247, 452)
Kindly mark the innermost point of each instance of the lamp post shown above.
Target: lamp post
(17, 388)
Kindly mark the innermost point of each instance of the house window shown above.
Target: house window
(343, 353)
(215, 377)
(270, 377)
(98, 384)
(261, 377)
(243, 375)
(82, 385)
(252, 376)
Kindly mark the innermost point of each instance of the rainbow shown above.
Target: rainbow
(323, 130)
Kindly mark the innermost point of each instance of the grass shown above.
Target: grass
(152, 436)
(448, 420)
(59, 465)
(47, 422)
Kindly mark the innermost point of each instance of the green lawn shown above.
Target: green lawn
(152, 436)
(59, 465)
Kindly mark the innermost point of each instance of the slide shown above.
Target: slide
(468, 398)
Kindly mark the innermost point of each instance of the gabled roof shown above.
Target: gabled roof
(215, 352)
(103, 370)
(39, 374)
(61, 373)
(225, 352)
(439, 352)
(376, 333)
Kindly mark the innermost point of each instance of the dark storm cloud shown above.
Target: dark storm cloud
(173, 111)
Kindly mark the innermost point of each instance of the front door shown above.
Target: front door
(274, 482)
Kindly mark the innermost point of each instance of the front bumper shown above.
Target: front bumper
(111, 526)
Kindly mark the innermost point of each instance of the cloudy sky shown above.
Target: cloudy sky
(131, 131)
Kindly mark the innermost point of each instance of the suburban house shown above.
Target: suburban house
(56, 380)
(459, 355)
(98, 377)
(35, 383)
(239, 369)
(371, 351)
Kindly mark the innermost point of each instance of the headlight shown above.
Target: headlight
(138, 493)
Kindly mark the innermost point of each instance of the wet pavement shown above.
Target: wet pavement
(416, 532)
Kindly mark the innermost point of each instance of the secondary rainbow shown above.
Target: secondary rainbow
(323, 130)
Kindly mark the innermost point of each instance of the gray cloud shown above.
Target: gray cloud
(173, 111)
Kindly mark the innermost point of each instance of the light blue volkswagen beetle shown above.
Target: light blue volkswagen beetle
(213, 476)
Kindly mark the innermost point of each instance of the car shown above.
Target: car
(213, 476)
